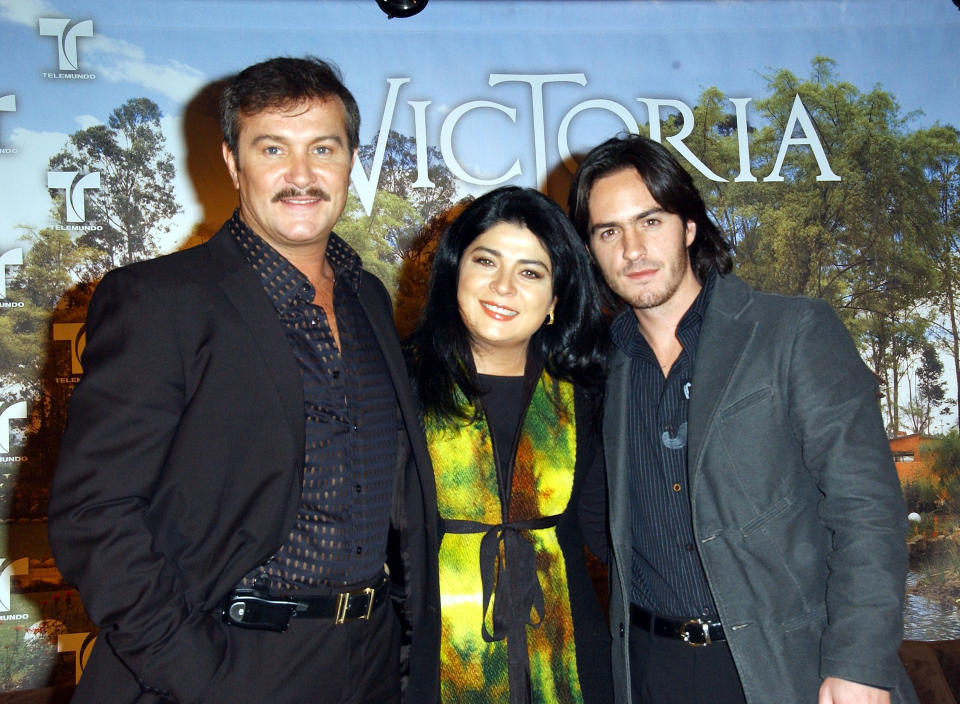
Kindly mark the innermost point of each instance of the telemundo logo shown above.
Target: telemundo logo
(75, 186)
(8, 103)
(81, 644)
(76, 335)
(12, 257)
(11, 569)
(66, 34)
(15, 411)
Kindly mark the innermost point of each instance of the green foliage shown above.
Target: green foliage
(135, 201)
(398, 174)
(939, 148)
(871, 244)
(921, 495)
(944, 456)
(399, 210)
(375, 236)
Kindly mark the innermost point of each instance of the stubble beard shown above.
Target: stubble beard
(653, 295)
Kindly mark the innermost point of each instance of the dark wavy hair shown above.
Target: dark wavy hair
(282, 82)
(669, 184)
(573, 348)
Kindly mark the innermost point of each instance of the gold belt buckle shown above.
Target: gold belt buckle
(343, 603)
(704, 628)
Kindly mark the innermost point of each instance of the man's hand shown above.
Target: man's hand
(837, 691)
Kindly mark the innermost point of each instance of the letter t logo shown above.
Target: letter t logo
(15, 411)
(74, 187)
(10, 569)
(8, 103)
(13, 257)
(66, 39)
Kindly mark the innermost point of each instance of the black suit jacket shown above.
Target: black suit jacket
(181, 465)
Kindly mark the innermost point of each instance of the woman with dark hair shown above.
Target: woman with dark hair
(508, 362)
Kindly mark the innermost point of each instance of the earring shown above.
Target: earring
(550, 318)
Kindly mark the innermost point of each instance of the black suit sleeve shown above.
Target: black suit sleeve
(122, 417)
(593, 509)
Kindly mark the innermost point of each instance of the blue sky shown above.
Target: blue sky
(169, 49)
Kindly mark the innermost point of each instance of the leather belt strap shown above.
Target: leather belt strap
(695, 632)
(247, 608)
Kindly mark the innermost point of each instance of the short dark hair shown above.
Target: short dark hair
(573, 348)
(283, 82)
(669, 184)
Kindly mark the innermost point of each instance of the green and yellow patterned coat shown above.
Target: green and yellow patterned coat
(519, 616)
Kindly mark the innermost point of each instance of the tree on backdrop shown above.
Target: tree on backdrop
(377, 236)
(399, 210)
(928, 394)
(134, 204)
(51, 287)
(868, 245)
(940, 147)
(135, 201)
(53, 284)
(399, 173)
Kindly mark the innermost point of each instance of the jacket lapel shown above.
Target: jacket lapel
(244, 289)
(376, 306)
(724, 338)
(615, 445)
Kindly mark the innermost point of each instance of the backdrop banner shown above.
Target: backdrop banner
(821, 133)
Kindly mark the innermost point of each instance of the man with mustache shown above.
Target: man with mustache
(234, 499)
(757, 528)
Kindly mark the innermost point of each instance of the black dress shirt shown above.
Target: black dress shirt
(351, 420)
(668, 578)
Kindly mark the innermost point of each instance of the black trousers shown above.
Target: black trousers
(315, 662)
(668, 671)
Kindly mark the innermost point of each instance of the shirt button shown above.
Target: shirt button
(356, 428)
(359, 549)
(689, 547)
(357, 488)
(677, 487)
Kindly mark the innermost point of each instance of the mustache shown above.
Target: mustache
(638, 266)
(311, 192)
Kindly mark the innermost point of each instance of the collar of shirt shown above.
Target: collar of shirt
(283, 282)
(625, 332)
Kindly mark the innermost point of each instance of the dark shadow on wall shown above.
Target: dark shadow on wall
(413, 275)
(211, 183)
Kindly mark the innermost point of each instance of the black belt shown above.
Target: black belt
(247, 608)
(692, 632)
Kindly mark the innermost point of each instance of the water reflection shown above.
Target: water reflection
(928, 619)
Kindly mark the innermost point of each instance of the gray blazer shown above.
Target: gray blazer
(797, 511)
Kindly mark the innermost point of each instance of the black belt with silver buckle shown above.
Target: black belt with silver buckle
(248, 608)
(694, 632)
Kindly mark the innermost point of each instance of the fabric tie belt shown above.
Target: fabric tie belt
(517, 592)
(248, 608)
(696, 632)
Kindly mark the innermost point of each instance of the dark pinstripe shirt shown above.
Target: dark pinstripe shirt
(351, 421)
(668, 578)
